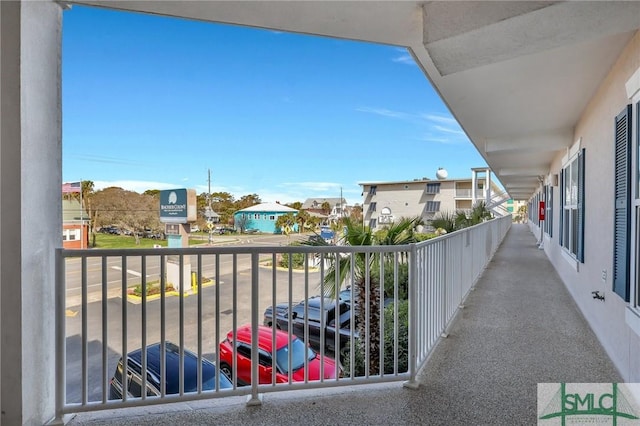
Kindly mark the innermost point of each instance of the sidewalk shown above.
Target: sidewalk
(519, 327)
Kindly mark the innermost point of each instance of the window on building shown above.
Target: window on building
(572, 206)
(372, 207)
(432, 206)
(70, 234)
(372, 223)
(548, 214)
(433, 188)
(372, 189)
(272, 217)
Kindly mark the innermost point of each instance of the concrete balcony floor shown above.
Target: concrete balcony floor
(519, 327)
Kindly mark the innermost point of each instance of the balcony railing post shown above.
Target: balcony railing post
(60, 301)
(413, 335)
(255, 398)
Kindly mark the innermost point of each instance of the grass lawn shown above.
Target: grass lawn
(109, 241)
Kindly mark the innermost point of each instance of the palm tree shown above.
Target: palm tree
(480, 213)
(366, 278)
(285, 223)
(302, 218)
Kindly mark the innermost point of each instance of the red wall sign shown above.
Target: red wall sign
(541, 211)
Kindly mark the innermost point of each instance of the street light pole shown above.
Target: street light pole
(209, 211)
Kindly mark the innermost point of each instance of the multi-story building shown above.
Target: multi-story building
(385, 202)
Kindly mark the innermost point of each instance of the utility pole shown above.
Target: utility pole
(209, 210)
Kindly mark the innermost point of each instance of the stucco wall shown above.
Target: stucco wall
(408, 199)
(261, 221)
(595, 130)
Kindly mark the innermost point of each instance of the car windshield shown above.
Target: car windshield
(298, 353)
(209, 382)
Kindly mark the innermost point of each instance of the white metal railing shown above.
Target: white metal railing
(463, 193)
(98, 321)
(444, 271)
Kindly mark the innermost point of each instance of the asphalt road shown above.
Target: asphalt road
(114, 267)
(233, 293)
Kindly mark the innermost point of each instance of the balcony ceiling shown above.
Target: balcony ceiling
(516, 75)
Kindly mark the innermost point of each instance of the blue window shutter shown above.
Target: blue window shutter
(622, 212)
(561, 219)
(581, 210)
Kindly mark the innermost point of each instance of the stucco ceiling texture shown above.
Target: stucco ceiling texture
(515, 74)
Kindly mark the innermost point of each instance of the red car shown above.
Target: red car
(299, 351)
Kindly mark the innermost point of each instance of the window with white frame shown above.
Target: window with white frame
(372, 223)
(432, 206)
(626, 268)
(433, 188)
(548, 214)
(572, 205)
(70, 234)
(637, 203)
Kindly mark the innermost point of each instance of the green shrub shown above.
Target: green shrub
(445, 220)
(424, 237)
(403, 280)
(403, 344)
(152, 288)
(297, 259)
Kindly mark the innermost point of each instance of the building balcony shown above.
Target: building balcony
(480, 338)
(463, 193)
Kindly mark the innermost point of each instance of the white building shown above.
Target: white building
(386, 202)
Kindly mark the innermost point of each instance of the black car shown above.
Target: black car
(315, 314)
(172, 367)
(225, 230)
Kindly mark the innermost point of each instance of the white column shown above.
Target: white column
(30, 206)
(487, 188)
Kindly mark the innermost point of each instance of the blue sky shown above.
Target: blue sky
(152, 102)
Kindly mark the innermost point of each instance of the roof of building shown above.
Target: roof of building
(268, 207)
(311, 203)
(71, 211)
(422, 180)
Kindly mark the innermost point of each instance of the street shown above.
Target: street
(233, 293)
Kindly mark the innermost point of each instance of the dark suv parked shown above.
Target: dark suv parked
(314, 320)
(172, 365)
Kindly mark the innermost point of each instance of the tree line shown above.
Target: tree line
(137, 213)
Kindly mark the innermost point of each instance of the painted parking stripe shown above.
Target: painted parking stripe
(129, 271)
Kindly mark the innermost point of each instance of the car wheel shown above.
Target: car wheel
(226, 369)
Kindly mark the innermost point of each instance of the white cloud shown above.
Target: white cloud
(384, 112)
(440, 119)
(457, 131)
(404, 59)
(439, 140)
